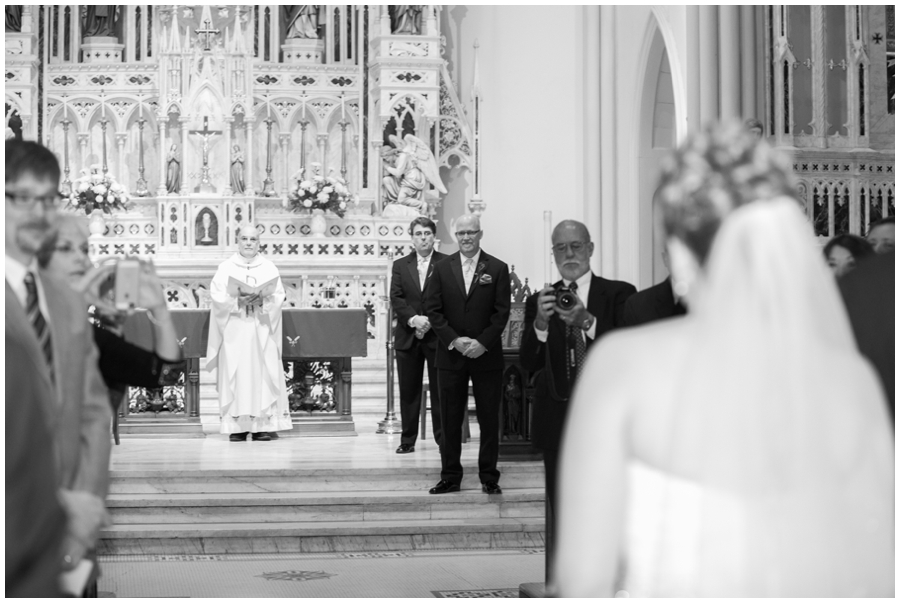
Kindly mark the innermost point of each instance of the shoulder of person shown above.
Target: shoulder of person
(494, 262)
(405, 259)
(611, 285)
(439, 257)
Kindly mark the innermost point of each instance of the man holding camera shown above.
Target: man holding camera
(245, 343)
(562, 321)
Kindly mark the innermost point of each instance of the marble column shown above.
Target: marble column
(227, 136)
(729, 62)
(184, 155)
(249, 182)
(283, 140)
(709, 63)
(749, 63)
(608, 151)
(593, 86)
(163, 152)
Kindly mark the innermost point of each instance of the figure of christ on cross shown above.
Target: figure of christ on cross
(205, 185)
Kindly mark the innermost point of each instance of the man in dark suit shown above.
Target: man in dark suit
(468, 303)
(50, 319)
(555, 341)
(654, 303)
(414, 339)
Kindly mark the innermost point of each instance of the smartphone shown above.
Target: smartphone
(128, 282)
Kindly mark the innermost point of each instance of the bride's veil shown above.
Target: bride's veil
(783, 419)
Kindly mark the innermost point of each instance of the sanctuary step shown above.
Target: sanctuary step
(319, 510)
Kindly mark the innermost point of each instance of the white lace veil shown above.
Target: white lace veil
(784, 419)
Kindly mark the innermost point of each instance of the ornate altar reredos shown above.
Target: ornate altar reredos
(209, 115)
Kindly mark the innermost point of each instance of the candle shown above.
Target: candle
(343, 109)
(548, 218)
(268, 108)
(141, 108)
(303, 107)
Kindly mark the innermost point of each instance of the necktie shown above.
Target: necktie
(467, 272)
(41, 329)
(576, 348)
(423, 267)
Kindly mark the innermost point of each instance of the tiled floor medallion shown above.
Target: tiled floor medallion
(296, 576)
(488, 593)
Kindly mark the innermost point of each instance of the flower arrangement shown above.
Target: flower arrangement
(93, 190)
(320, 192)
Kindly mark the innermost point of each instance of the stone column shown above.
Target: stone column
(729, 62)
(608, 164)
(119, 171)
(692, 71)
(749, 63)
(709, 63)
(184, 147)
(283, 140)
(163, 152)
(249, 182)
(321, 143)
(227, 136)
(592, 121)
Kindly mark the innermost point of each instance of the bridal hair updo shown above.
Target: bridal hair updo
(714, 172)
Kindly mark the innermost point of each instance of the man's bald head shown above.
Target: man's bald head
(572, 249)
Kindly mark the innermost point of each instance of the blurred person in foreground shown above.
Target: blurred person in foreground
(45, 315)
(758, 460)
(64, 254)
(845, 251)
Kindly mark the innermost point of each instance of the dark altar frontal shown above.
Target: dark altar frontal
(317, 350)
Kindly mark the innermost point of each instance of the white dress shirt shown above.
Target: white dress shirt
(15, 276)
(467, 276)
(422, 267)
(583, 292)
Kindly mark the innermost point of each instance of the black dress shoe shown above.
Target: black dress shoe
(238, 437)
(262, 436)
(273, 434)
(443, 487)
(491, 488)
(406, 449)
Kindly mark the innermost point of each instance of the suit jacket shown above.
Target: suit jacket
(654, 303)
(408, 298)
(480, 313)
(869, 294)
(606, 302)
(80, 417)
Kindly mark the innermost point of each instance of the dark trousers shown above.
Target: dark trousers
(487, 386)
(551, 466)
(409, 374)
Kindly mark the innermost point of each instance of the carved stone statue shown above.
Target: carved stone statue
(237, 170)
(13, 17)
(100, 20)
(406, 19)
(301, 22)
(173, 170)
(415, 168)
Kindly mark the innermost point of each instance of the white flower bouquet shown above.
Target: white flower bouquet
(321, 192)
(94, 190)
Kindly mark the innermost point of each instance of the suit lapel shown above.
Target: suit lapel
(483, 263)
(413, 267)
(456, 269)
(20, 328)
(430, 270)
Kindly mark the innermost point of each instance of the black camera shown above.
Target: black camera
(565, 298)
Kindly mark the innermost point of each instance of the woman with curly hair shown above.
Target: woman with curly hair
(743, 450)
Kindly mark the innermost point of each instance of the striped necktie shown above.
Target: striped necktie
(577, 349)
(41, 328)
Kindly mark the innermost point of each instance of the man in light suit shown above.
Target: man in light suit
(414, 339)
(49, 320)
(549, 344)
(468, 306)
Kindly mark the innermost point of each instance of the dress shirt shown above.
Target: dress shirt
(583, 292)
(468, 277)
(15, 276)
(422, 267)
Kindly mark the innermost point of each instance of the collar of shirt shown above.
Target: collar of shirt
(424, 260)
(475, 257)
(584, 286)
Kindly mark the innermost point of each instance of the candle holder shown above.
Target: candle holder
(65, 186)
(142, 190)
(268, 183)
(344, 123)
(103, 123)
(303, 124)
(390, 424)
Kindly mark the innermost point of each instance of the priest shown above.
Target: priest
(245, 343)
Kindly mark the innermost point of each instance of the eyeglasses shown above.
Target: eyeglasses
(424, 234)
(466, 233)
(50, 202)
(575, 246)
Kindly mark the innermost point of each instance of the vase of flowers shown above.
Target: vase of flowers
(97, 225)
(94, 191)
(319, 194)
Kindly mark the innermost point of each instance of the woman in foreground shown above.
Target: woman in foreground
(743, 450)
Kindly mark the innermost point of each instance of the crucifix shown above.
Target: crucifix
(206, 32)
(205, 185)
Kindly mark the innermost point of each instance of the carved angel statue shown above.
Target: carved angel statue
(415, 168)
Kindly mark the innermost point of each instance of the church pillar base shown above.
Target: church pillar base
(102, 49)
(303, 50)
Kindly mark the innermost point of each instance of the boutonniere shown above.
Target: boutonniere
(430, 270)
(485, 279)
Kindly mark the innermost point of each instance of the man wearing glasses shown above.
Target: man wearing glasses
(414, 339)
(468, 305)
(47, 321)
(556, 336)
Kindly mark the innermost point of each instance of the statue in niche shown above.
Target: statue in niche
(14, 17)
(301, 22)
(100, 20)
(237, 170)
(513, 395)
(206, 228)
(414, 169)
(406, 19)
(173, 170)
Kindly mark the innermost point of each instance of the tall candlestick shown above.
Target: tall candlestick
(343, 109)
(141, 107)
(102, 105)
(548, 218)
(303, 107)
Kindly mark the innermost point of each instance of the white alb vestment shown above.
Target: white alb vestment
(245, 348)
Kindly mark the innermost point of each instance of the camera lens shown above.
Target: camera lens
(566, 299)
